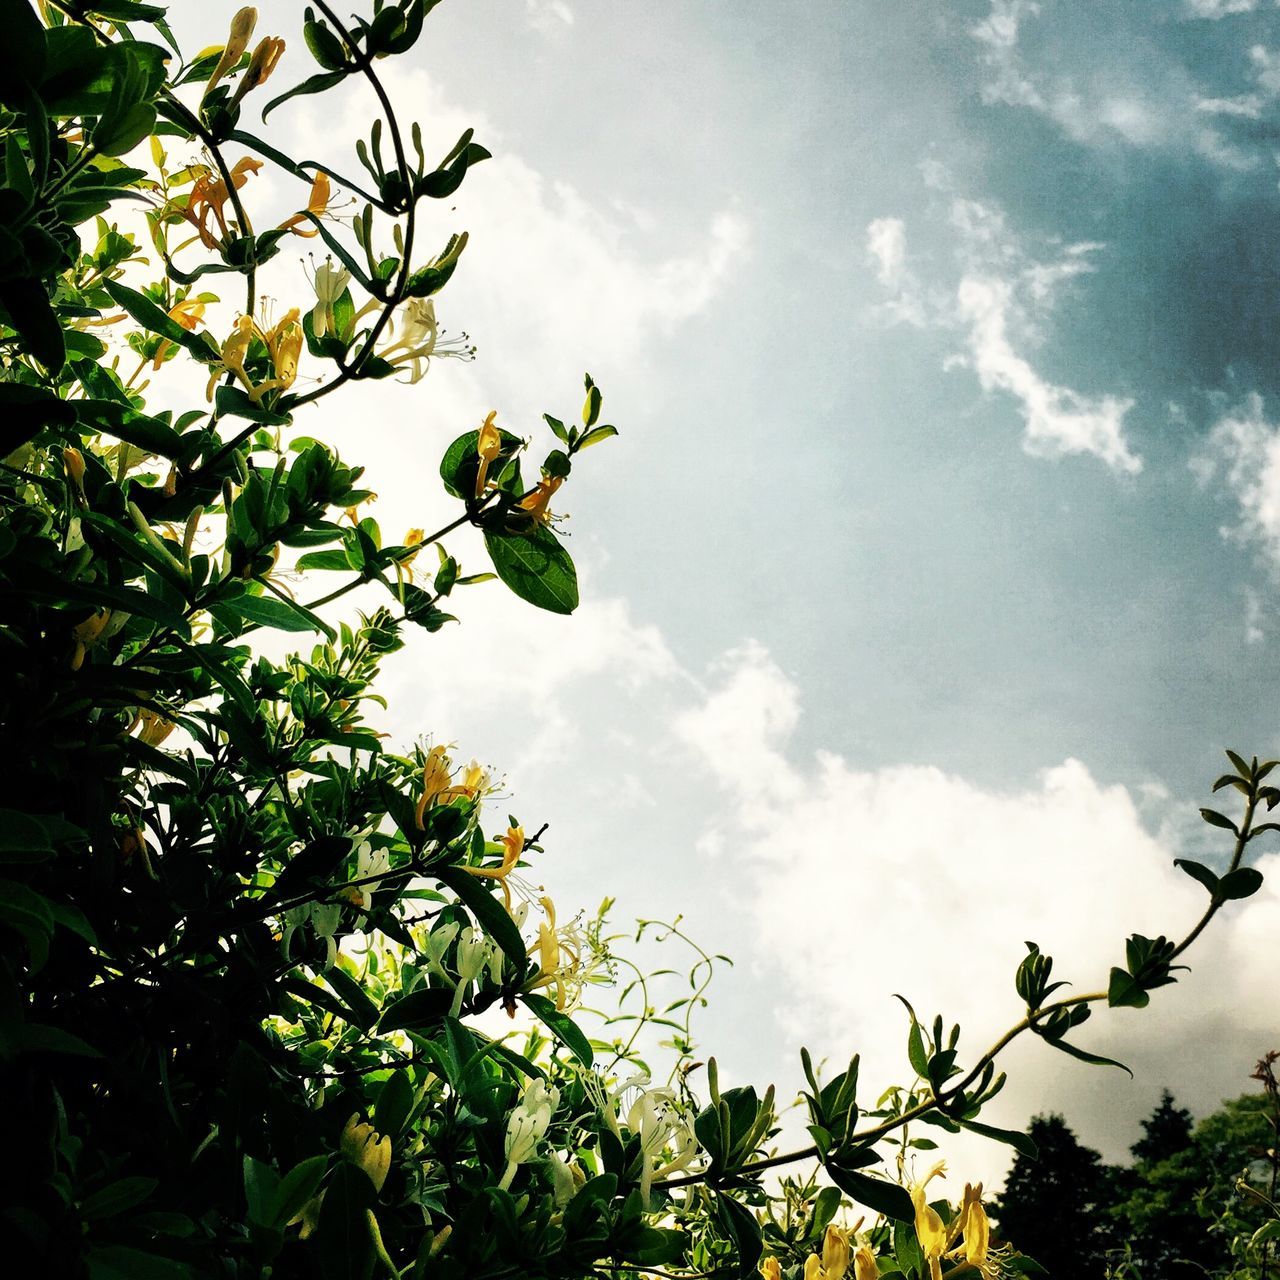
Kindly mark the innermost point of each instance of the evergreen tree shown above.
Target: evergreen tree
(1053, 1207)
(1167, 1132)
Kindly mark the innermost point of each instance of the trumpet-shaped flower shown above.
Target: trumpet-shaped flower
(567, 959)
(317, 203)
(262, 63)
(367, 1150)
(864, 1264)
(422, 339)
(188, 313)
(284, 345)
(238, 38)
(208, 196)
(654, 1118)
(474, 952)
(488, 445)
(329, 283)
(834, 1259)
(512, 847)
(370, 862)
(536, 503)
(770, 1268)
(931, 1231)
(527, 1125)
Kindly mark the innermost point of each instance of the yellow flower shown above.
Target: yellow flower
(210, 194)
(835, 1254)
(864, 1265)
(317, 203)
(770, 1268)
(188, 313)
(513, 846)
(536, 502)
(931, 1231)
(261, 65)
(367, 1150)
(284, 345)
(242, 26)
(487, 446)
(975, 1247)
(86, 634)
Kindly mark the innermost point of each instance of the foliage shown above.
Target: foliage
(249, 946)
(1197, 1201)
(1054, 1204)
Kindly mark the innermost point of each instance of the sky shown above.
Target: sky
(937, 560)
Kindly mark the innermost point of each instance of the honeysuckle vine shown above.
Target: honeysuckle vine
(279, 994)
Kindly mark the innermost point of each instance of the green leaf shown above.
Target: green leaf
(343, 1247)
(25, 411)
(1094, 1059)
(33, 316)
(1020, 1142)
(915, 1050)
(312, 84)
(395, 1102)
(426, 1007)
(740, 1224)
(271, 611)
(21, 836)
(1198, 872)
(364, 1013)
(120, 1262)
(137, 429)
(35, 1038)
(1243, 882)
(878, 1194)
(536, 566)
(296, 1188)
(234, 402)
(562, 1027)
(461, 462)
(1125, 991)
(489, 913)
(151, 317)
(1216, 819)
(595, 435)
(117, 1196)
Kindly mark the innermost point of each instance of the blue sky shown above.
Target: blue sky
(936, 562)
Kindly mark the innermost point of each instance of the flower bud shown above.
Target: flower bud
(242, 26)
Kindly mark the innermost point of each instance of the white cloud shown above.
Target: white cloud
(1112, 94)
(548, 15)
(905, 878)
(1058, 420)
(1219, 8)
(1244, 450)
(999, 302)
(886, 247)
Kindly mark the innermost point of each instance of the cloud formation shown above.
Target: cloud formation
(905, 878)
(1101, 90)
(999, 301)
(1243, 453)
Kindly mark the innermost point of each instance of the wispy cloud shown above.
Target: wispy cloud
(1059, 421)
(1243, 454)
(1000, 301)
(1119, 92)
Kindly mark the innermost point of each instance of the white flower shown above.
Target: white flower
(526, 1126)
(325, 919)
(368, 864)
(655, 1119)
(421, 338)
(329, 283)
(474, 952)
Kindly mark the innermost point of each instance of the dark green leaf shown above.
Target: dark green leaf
(562, 1026)
(886, 1198)
(536, 566)
(1243, 882)
(1199, 872)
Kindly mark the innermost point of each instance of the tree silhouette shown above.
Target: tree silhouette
(1053, 1207)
